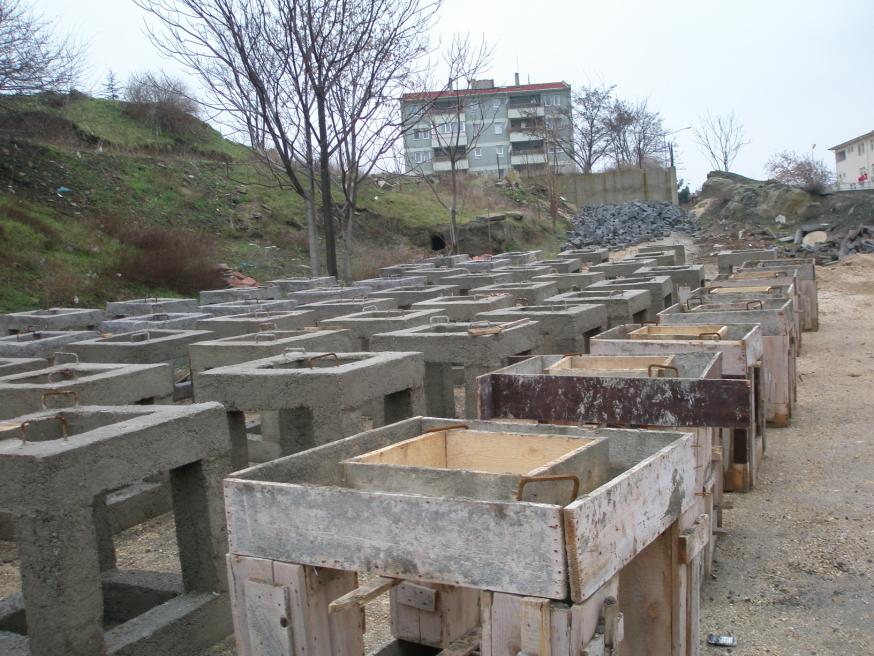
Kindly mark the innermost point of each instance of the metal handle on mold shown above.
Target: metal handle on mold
(74, 356)
(714, 336)
(66, 374)
(264, 337)
(443, 318)
(751, 305)
(72, 393)
(145, 333)
(661, 367)
(320, 357)
(267, 327)
(65, 427)
(524, 480)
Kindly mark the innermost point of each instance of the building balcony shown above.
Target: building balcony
(450, 140)
(524, 111)
(443, 165)
(521, 134)
(527, 158)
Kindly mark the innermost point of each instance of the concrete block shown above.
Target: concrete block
(660, 288)
(728, 261)
(471, 280)
(317, 294)
(519, 258)
(83, 383)
(143, 347)
(570, 282)
(287, 285)
(213, 353)
(41, 344)
(478, 266)
(9, 366)
(524, 273)
(565, 329)
(337, 308)
(55, 485)
(244, 307)
(623, 306)
(526, 293)
(406, 296)
(140, 306)
(466, 344)
(396, 270)
(688, 276)
(622, 267)
(158, 321)
(587, 255)
(465, 308)
(318, 397)
(562, 264)
(438, 275)
(52, 319)
(662, 258)
(376, 284)
(257, 321)
(238, 294)
(448, 260)
(679, 251)
(362, 325)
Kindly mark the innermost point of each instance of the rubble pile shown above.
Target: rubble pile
(626, 224)
(832, 245)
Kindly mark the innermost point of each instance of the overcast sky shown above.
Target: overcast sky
(796, 73)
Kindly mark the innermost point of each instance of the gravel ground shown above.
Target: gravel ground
(794, 573)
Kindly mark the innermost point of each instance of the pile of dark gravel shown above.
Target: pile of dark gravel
(626, 224)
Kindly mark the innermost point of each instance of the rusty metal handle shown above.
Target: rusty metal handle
(144, 333)
(264, 336)
(694, 298)
(66, 374)
(370, 308)
(780, 274)
(441, 318)
(267, 327)
(150, 299)
(72, 393)
(74, 356)
(715, 336)
(65, 427)
(321, 356)
(163, 316)
(524, 480)
(751, 305)
(446, 428)
(661, 367)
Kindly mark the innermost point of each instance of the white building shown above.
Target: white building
(854, 162)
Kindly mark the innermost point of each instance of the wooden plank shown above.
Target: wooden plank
(606, 530)
(415, 596)
(634, 401)
(512, 547)
(363, 594)
(693, 539)
(536, 627)
(240, 570)
(267, 622)
(465, 645)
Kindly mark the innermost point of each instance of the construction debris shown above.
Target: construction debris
(626, 224)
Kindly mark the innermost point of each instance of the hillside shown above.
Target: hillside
(99, 203)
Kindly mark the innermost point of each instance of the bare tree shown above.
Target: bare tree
(634, 132)
(720, 139)
(111, 87)
(803, 171)
(589, 113)
(33, 57)
(365, 117)
(456, 121)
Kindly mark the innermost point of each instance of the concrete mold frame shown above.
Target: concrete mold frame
(467, 574)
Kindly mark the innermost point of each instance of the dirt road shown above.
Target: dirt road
(795, 571)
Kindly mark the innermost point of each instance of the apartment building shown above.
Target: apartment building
(490, 129)
(854, 160)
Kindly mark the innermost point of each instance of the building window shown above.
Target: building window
(475, 109)
(861, 148)
(840, 156)
(451, 127)
(499, 127)
(422, 133)
(496, 103)
(552, 100)
(478, 153)
(499, 151)
(422, 156)
(553, 122)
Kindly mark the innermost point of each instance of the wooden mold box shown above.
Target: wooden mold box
(632, 366)
(746, 289)
(702, 331)
(492, 466)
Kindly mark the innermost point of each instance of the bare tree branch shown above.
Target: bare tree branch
(720, 139)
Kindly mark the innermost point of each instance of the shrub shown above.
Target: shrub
(163, 101)
(803, 171)
(170, 258)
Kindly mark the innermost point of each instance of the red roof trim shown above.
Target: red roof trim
(543, 86)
